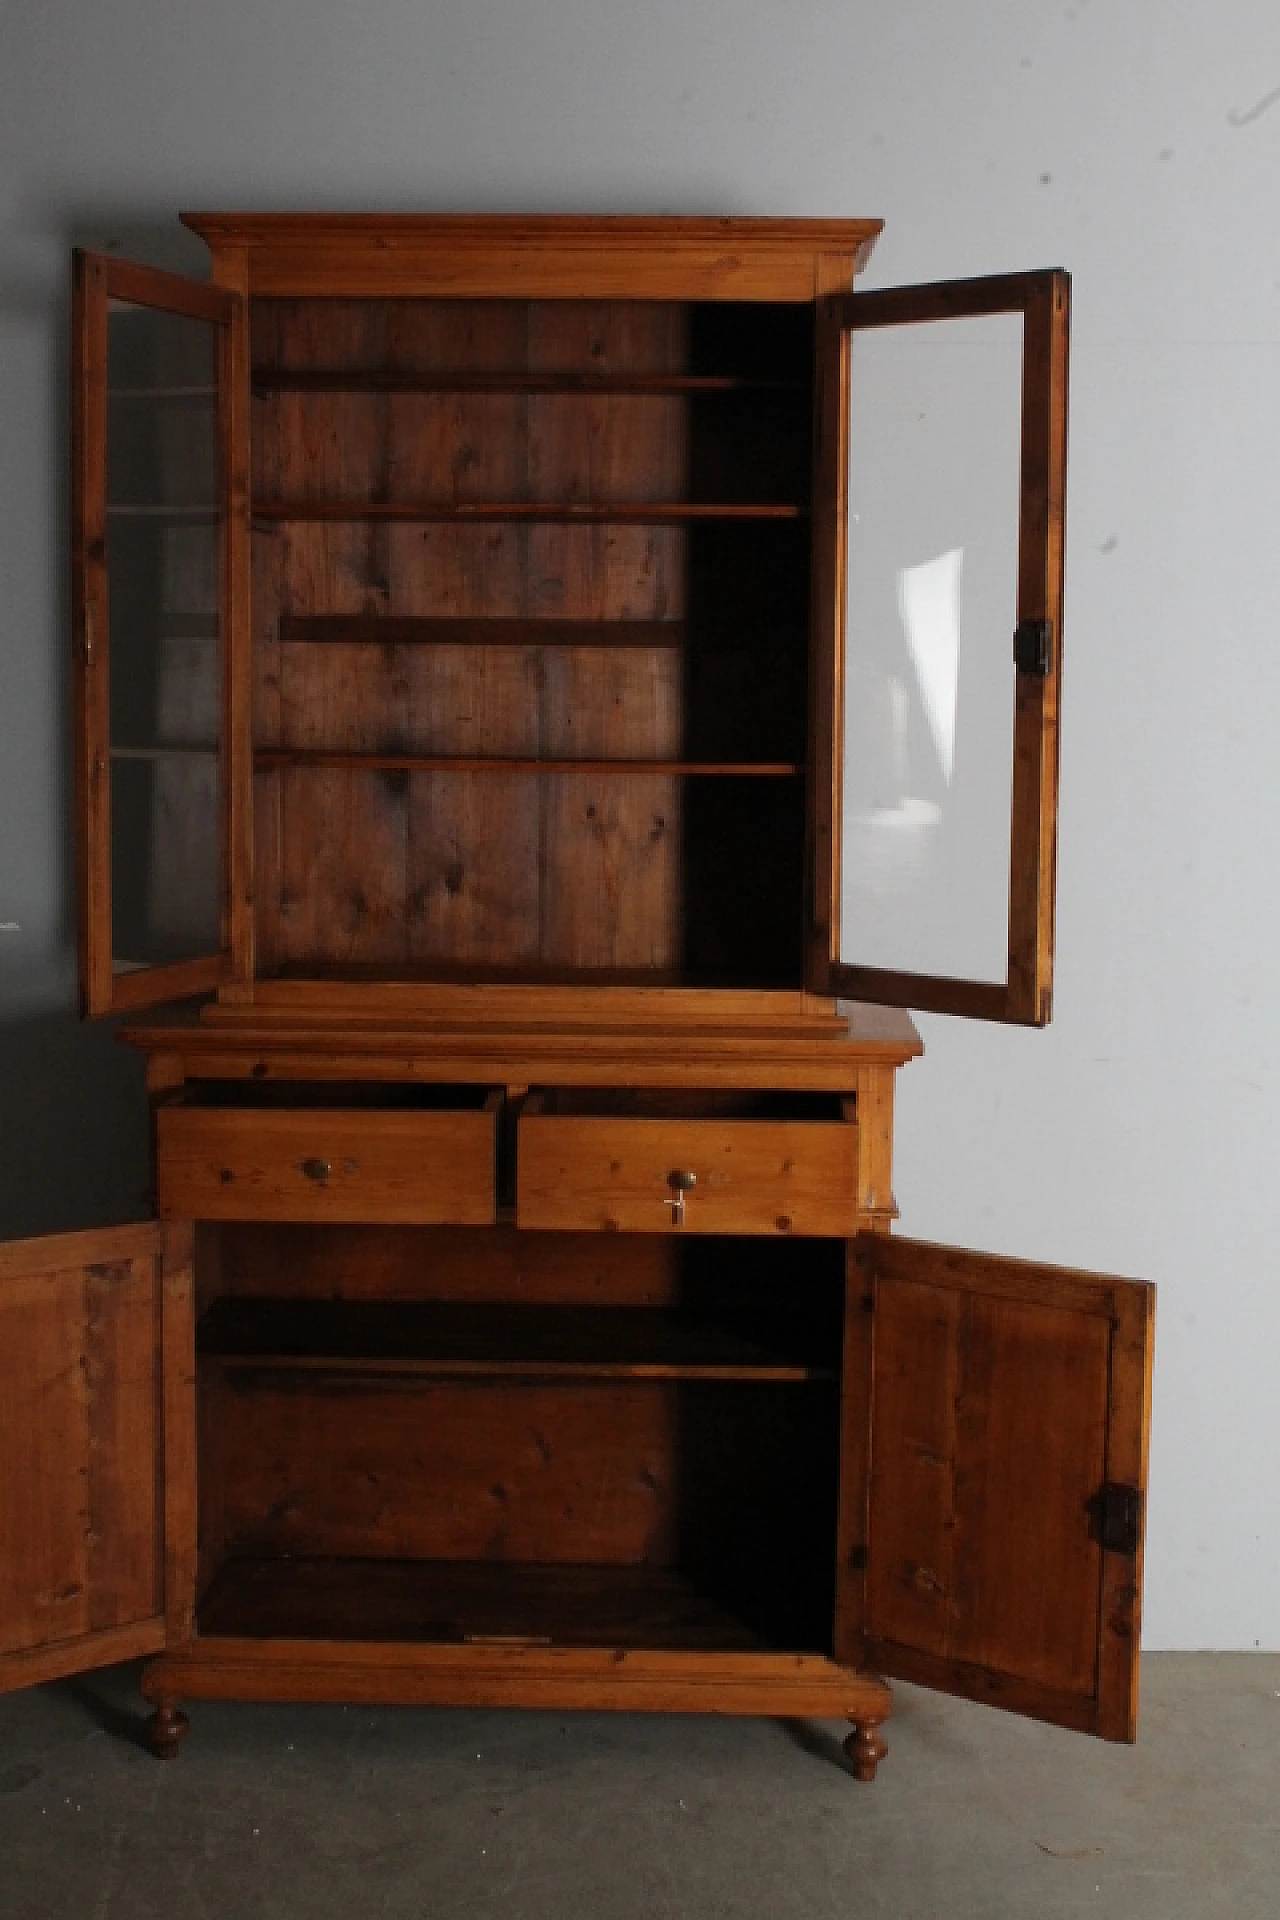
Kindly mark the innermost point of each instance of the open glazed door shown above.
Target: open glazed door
(155, 549)
(941, 472)
(97, 1440)
(992, 1514)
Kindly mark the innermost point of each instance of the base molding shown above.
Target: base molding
(368, 1673)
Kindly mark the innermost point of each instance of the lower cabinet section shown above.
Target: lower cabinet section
(651, 1465)
(600, 1399)
(519, 1467)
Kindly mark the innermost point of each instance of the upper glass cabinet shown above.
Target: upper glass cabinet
(151, 400)
(938, 575)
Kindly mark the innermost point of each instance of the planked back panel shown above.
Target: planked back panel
(514, 873)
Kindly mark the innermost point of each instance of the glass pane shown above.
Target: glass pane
(163, 560)
(935, 432)
(164, 859)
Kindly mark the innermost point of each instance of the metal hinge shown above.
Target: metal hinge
(1119, 1518)
(1033, 647)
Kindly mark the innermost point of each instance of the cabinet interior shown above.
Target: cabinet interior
(531, 606)
(461, 1434)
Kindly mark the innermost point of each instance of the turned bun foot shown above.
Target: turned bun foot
(865, 1749)
(166, 1730)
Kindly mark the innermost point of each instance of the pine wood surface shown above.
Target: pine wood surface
(613, 513)
(1004, 1397)
(541, 256)
(315, 1165)
(566, 380)
(304, 757)
(477, 1602)
(429, 1338)
(593, 1679)
(826, 671)
(178, 1462)
(731, 1479)
(532, 535)
(618, 872)
(81, 1578)
(503, 1035)
(238, 620)
(883, 1031)
(66, 1658)
(752, 1176)
(468, 872)
(658, 1014)
(398, 630)
(1128, 1443)
(511, 1267)
(91, 724)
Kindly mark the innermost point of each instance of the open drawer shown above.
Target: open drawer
(659, 1162)
(409, 1156)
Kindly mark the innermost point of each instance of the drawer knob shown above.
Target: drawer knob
(317, 1170)
(680, 1182)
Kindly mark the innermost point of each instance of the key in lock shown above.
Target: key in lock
(680, 1183)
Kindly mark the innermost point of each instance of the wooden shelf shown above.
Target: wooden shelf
(135, 511)
(431, 1339)
(463, 380)
(162, 393)
(321, 758)
(164, 753)
(396, 630)
(554, 512)
(475, 973)
(502, 1603)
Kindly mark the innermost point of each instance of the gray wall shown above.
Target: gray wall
(1137, 145)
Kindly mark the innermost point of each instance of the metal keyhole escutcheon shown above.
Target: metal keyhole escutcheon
(680, 1183)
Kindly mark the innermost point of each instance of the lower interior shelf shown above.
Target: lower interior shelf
(436, 1338)
(502, 1603)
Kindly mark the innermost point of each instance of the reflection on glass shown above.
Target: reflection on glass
(164, 859)
(929, 605)
(163, 586)
(929, 680)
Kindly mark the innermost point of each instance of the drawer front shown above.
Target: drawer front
(408, 1169)
(628, 1176)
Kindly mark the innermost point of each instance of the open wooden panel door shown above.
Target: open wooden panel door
(992, 1506)
(158, 554)
(937, 644)
(97, 1449)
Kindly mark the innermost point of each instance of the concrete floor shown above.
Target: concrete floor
(325, 1811)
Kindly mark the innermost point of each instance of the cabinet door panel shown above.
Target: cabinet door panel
(995, 1536)
(937, 608)
(82, 1439)
(154, 554)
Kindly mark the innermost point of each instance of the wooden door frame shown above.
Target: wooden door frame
(1043, 301)
(98, 279)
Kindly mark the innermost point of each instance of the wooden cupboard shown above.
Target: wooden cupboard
(561, 689)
